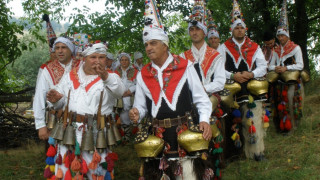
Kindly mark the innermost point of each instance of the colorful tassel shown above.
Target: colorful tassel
(76, 165)
(47, 173)
(51, 151)
(236, 113)
(59, 173)
(59, 159)
(84, 167)
(51, 141)
(68, 175)
(107, 176)
(252, 129)
(77, 149)
(96, 158)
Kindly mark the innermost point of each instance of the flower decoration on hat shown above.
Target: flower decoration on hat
(283, 27)
(80, 40)
(198, 16)
(51, 35)
(212, 26)
(237, 16)
(153, 25)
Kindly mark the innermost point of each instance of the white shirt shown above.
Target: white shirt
(258, 58)
(43, 85)
(200, 98)
(217, 68)
(87, 102)
(277, 61)
(130, 85)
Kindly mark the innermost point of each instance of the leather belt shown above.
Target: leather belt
(169, 122)
(84, 118)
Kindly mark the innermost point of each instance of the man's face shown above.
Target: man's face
(109, 62)
(197, 35)
(155, 49)
(124, 62)
(269, 44)
(139, 61)
(239, 32)
(53, 56)
(93, 60)
(214, 42)
(283, 39)
(63, 53)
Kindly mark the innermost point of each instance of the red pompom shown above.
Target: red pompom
(266, 118)
(252, 129)
(216, 146)
(287, 124)
(47, 173)
(281, 107)
(68, 175)
(84, 167)
(284, 93)
(59, 159)
(113, 156)
(51, 151)
(219, 113)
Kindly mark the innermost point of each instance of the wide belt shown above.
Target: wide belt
(84, 118)
(169, 122)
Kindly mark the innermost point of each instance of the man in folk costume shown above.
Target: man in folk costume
(213, 34)
(269, 45)
(245, 61)
(80, 40)
(167, 88)
(208, 62)
(128, 76)
(138, 60)
(87, 93)
(287, 61)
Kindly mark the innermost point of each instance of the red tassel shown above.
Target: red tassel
(76, 165)
(69, 158)
(237, 120)
(121, 132)
(96, 158)
(51, 151)
(47, 173)
(59, 174)
(68, 175)
(252, 129)
(219, 113)
(53, 177)
(59, 159)
(84, 167)
(266, 118)
(135, 130)
(284, 93)
(287, 124)
(281, 107)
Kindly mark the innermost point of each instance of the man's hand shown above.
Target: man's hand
(281, 69)
(134, 115)
(207, 132)
(238, 77)
(127, 93)
(247, 75)
(54, 96)
(101, 71)
(43, 133)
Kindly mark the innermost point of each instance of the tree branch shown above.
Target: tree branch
(314, 18)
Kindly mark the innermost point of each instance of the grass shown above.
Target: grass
(289, 157)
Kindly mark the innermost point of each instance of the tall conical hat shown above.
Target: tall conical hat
(80, 40)
(198, 16)
(283, 27)
(212, 26)
(153, 27)
(237, 16)
(51, 35)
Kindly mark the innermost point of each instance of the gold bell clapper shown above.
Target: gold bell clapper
(87, 140)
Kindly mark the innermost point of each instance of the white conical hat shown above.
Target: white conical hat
(237, 16)
(198, 16)
(283, 27)
(212, 26)
(153, 27)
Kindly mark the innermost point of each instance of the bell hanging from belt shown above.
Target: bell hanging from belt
(101, 143)
(116, 132)
(51, 121)
(87, 141)
(58, 132)
(110, 137)
(69, 136)
(119, 103)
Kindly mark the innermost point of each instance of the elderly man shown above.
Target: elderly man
(49, 76)
(287, 58)
(128, 76)
(166, 90)
(244, 61)
(138, 60)
(89, 87)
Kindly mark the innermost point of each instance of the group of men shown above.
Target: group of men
(171, 95)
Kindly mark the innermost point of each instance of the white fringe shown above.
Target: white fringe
(258, 147)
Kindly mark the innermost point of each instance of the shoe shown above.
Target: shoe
(260, 157)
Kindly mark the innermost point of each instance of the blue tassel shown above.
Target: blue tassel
(249, 114)
(267, 113)
(51, 141)
(236, 113)
(107, 176)
(50, 160)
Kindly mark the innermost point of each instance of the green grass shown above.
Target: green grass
(289, 157)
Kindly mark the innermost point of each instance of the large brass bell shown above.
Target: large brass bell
(51, 120)
(87, 141)
(58, 132)
(305, 76)
(272, 76)
(111, 140)
(101, 142)
(258, 87)
(116, 132)
(226, 98)
(288, 76)
(192, 141)
(214, 100)
(232, 86)
(119, 103)
(69, 136)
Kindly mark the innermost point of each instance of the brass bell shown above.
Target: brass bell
(192, 141)
(214, 100)
(110, 137)
(101, 142)
(52, 121)
(305, 76)
(58, 132)
(119, 103)
(69, 136)
(87, 141)
(151, 147)
(272, 76)
(116, 132)
(290, 76)
(215, 130)
(233, 87)
(257, 87)
(226, 98)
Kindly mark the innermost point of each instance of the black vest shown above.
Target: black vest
(197, 67)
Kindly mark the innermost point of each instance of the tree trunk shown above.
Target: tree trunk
(301, 30)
